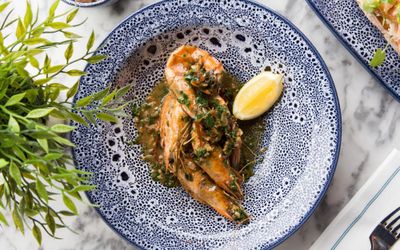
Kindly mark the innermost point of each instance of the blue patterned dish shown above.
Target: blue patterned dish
(88, 5)
(303, 130)
(361, 38)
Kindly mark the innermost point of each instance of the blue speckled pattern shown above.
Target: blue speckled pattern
(348, 22)
(302, 132)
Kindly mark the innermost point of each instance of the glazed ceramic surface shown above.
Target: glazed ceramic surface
(302, 131)
(88, 5)
(348, 22)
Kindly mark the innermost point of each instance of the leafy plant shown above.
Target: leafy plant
(34, 165)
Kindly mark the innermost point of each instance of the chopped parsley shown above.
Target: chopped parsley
(184, 99)
(238, 214)
(200, 153)
(135, 110)
(208, 121)
(378, 58)
(191, 76)
(201, 100)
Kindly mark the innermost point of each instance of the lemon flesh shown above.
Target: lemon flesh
(258, 95)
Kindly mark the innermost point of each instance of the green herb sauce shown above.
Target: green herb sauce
(252, 129)
(149, 137)
(147, 115)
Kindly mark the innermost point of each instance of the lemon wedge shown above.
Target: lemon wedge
(257, 95)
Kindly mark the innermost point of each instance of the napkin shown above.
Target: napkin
(378, 197)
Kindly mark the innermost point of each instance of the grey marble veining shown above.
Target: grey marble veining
(371, 128)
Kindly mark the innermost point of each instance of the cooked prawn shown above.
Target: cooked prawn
(211, 159)
(174, 129)
(199, 185)
(174, 133)
(189, 67)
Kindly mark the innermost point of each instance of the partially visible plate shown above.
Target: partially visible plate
(302, 132)
(96, 3)
(349, 24)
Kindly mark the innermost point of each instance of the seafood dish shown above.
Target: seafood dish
(190, 137)
(385, 15)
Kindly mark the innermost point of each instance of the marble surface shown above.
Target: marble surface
(371, 128)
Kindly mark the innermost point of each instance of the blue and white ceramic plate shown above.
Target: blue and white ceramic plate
(302, 134)
(349, 24)
(89, 5)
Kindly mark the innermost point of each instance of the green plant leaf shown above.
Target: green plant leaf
(108, 98)
(35, 41)
(51, 224)
(18, 220)
(89, 116)
(3, 90)
(15, 99)
(101, 94)
(96, 58)
(122, 91)
(53, 8)
(38, 113)
(66, 213)
(20, 69)
(72, 91)
(15, 173)
(62, 128)
(3, 163)
(44, 144)
(41, 190)
(59, 25)
(59, 114)
(64, 141)
(90, 42)
(84, 101)
(3, 219)
(69, 51)
(76, 72)
(69, 203)
(13, 125)
(52, 156)
(42, 134)
(77, 119)
(71, 15)
(30, 212)
(106, 117)
(47, 62)
(69, 34)
(3, 6)
(58, 86)
(54, 69)
(28, 14)
(42, 81)
(19, 153)
(34, 52)
(83, 188)
(33, 61)
(36, 32)
(37, 234)
(378, 58)
(20, 32)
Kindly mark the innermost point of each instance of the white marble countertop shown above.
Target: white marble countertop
(371, 128)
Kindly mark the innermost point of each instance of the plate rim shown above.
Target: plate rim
(352, 51)
(88, 5)
(338, 121)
